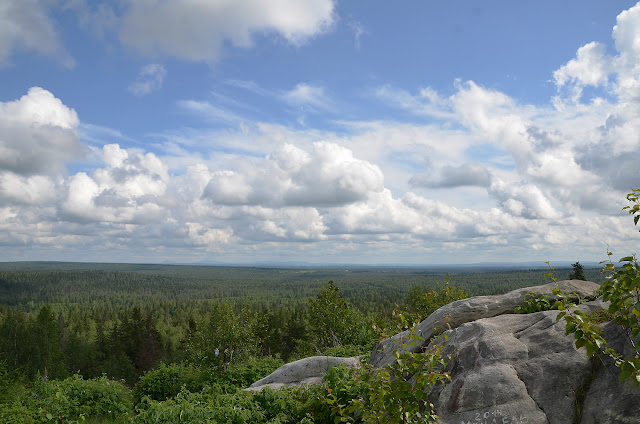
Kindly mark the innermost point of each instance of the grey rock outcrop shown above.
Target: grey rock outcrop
(304, 371)
(466, 310)
(608, 401)
(521, 368)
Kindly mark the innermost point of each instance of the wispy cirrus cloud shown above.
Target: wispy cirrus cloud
(150, 78)
(309, 96)
(27, 25)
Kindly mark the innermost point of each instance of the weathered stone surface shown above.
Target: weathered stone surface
(304, 371)
(474, 308)
(521, 368)
(606, 400)
(511, 365)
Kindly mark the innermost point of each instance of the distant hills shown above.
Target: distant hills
(106, 266)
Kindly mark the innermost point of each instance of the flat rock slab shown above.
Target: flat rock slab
(304, 371)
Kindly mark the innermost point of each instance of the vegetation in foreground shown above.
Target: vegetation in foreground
(131, 376)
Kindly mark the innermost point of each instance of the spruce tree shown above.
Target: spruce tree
(577, 273)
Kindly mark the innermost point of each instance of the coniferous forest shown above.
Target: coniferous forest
(169, 343)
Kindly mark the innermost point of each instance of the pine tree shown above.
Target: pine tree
(577, 273)
(13, 333)
(47, 357)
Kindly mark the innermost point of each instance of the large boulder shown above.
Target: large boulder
(304, 371)
(518, 368)
(521, 368)
(466, 310)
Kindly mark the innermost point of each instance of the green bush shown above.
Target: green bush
(399, 393)
(241, 374)
(395, 394)
(75, 400)
(334, 321)
(534, 302)
(423, 301)
(342, 387)
(167, 381)
(288, 405)
(16, 413)
(212, 405)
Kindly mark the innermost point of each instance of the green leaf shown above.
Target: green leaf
(624, 375)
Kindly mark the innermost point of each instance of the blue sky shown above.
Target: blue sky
(365, 132)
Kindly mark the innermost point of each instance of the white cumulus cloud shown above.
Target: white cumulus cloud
(326, 175)
(196, 30)
(129, 189)
(38, 133)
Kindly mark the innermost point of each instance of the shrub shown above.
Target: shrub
(16, 413)
(534, 302)
(74, 399)
(212, 405)
(167, 381)
(342, 387)
(395, 394)
(242, 374)
(334, 321)
(424, 301)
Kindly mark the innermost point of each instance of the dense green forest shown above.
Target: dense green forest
(121, 343)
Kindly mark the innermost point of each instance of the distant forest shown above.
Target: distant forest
(32, 284)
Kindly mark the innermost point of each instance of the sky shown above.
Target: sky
(320, 131)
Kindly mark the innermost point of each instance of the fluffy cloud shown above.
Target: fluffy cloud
(38, 133)
(196, 30)
(31, 190)
(128, 190)
(525, 200)
(26, 25)
(590, 67)
(327, 175)
(626, 34)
